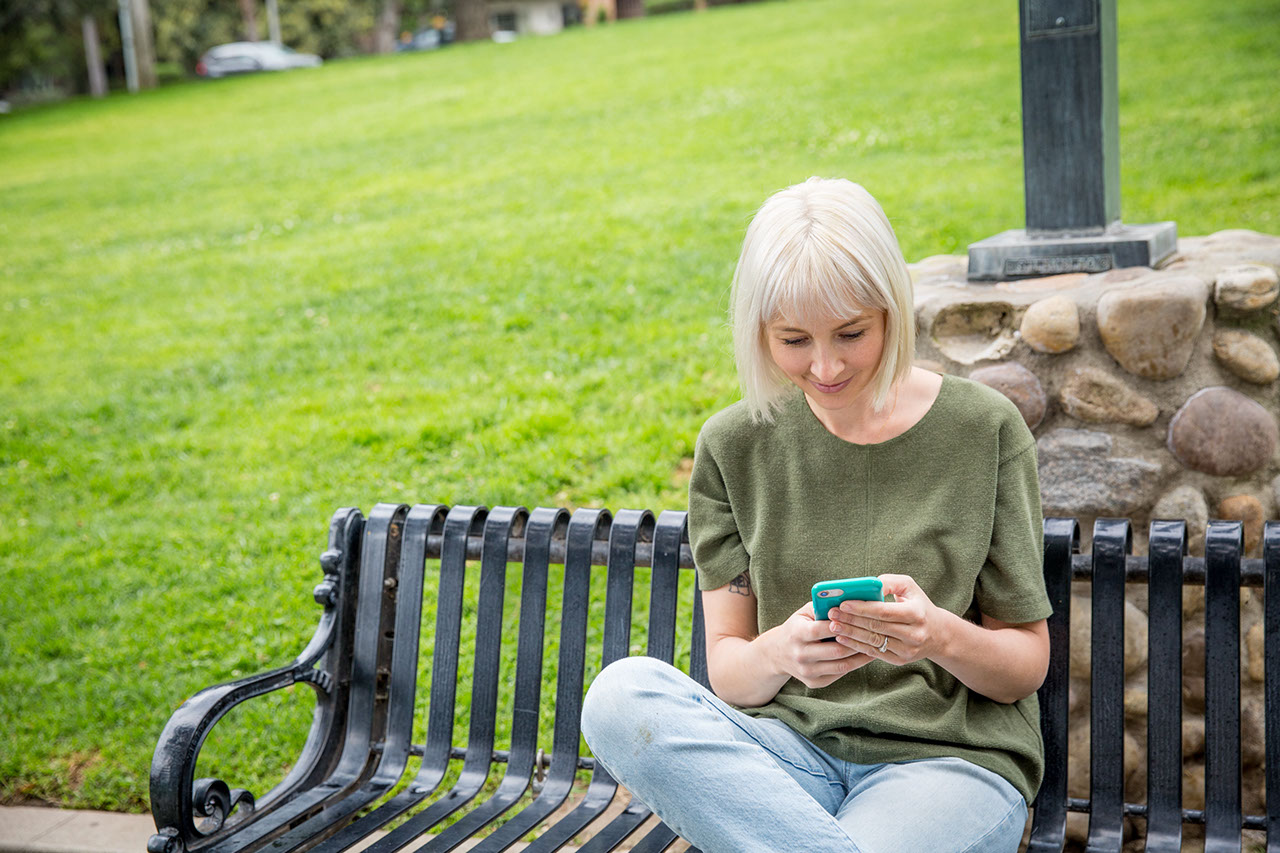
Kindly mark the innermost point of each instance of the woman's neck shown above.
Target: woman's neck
(861, 423)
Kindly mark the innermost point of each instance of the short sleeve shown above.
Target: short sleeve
(714, 537)
(1010, 586)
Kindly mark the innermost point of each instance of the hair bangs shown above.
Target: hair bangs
(817, 284)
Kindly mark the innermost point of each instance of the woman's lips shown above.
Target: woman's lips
(831, 389)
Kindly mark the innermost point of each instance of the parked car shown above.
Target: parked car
(428, 39)
(240, 57)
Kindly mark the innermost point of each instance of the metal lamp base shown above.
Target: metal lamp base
(1017, 254)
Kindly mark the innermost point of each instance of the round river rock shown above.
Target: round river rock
(1222, 432)
(1051, 325)
(1186, 503)
(1246, 287)
(1094, 395)
(1018, 384)
(1151, 329)
(1246, 355)
(1248, 510)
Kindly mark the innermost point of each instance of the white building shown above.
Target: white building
(533, 17)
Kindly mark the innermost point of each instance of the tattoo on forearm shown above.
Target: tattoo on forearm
(741, 585)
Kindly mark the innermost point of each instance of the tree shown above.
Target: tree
(185, 29)
(93, 56)
(47, 46)
(249, 12)
(144, 46)
(472, 19)
(384, 39)
(328, 27)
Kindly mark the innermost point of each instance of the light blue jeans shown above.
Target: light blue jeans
(730, 783)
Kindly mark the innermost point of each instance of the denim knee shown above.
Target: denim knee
(616, 698)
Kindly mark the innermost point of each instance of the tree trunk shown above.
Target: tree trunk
(630, 9)
(700, 5)
(384, 39)
(93, 57)
(144, 44)
(125, 9)
(472, 20)
(249, 15)
(273, 21)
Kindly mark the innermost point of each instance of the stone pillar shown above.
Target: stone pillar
(1071, 153)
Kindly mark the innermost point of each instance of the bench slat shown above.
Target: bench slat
(1223, 546)
(664, 585)
(1112, 542)
(1271, 685)
(497, 526)
(1049, 826)
(1168, 548)
(629, 526)
(698, 651)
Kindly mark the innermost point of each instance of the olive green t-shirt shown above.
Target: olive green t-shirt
(953, 502)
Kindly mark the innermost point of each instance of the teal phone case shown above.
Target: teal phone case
(828, 594)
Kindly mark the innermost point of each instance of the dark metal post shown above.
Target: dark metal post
(1071, 153)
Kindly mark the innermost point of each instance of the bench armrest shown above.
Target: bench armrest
(191, 813)
(197, 808)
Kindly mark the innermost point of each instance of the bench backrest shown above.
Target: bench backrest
(1222, 573)
(468, 570)
(592, 539)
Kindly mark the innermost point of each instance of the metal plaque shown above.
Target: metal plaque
(1057, 266)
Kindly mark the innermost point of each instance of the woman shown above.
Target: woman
(917, 729)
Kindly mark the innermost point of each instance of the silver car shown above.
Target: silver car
(240, 57)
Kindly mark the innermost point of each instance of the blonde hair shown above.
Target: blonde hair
(818, 250)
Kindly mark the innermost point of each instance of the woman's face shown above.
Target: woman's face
(832, 360)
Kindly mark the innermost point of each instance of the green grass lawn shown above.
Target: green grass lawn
(490, 274)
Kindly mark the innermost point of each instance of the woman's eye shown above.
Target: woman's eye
(852, 336)
(793, 342)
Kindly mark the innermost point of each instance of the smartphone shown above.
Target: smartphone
(829, 594)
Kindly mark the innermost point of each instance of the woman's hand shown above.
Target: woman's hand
(798, 649)
(747, 668)
(1000, 660)
(905, 630)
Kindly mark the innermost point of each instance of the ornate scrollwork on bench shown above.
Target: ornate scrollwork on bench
(217, 805)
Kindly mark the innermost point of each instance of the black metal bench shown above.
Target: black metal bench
(363, 663)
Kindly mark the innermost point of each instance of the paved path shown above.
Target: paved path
(36, 829)
(33, 829)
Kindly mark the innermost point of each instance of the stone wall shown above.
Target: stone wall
(1152, 394)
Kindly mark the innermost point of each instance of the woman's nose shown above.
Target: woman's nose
(826, 366)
